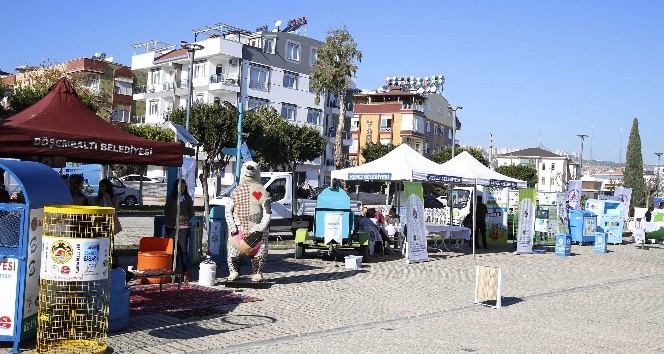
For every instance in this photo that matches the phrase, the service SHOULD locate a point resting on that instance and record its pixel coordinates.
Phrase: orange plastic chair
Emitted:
(155, 253)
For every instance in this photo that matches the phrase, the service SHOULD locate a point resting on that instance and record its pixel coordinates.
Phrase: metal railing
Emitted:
(138, 119)
(224, 79)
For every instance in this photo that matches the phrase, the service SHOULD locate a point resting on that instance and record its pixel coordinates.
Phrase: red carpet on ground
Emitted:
(146, 299)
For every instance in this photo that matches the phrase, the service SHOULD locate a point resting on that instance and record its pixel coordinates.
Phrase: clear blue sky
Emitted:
(517, 67)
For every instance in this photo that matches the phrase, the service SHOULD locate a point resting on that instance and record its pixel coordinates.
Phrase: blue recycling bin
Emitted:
(217, 233)
(563, 245)
(118, 310)
(582, 226)
(600, 243)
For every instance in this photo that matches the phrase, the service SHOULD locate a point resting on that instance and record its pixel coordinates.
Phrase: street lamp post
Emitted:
(454, 119)
(191, 48)
(582, 136)
(659, 154)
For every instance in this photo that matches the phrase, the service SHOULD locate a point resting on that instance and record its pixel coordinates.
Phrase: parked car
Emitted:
(126, 195)
(137, 178)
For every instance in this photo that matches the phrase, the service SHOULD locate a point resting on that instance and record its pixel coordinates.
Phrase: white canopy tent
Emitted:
(401, 164)
(465, 167)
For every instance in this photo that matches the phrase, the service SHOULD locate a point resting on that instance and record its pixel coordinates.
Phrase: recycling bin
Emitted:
(159, 226)
(563, 245)
(217, 233)
(600, 243)
(582, 226)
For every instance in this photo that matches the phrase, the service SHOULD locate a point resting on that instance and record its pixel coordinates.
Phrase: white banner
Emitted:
(542, 225)
(417, 231)
(563, 213)
(8, 284)
(574, 194)
(625, 195)
(189, 174)
(70, 259)
(215, 237)
(333, 222)
(526, 229)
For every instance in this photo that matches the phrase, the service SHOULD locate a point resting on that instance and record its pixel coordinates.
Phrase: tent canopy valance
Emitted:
(470, 171)
(60, 125)
(401, 164)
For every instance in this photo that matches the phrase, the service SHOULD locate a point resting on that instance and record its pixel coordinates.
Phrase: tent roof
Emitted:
(61, 125)
(466, 168)
(401, 164)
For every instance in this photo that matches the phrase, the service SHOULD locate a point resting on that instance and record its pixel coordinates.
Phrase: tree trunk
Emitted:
(338, 152)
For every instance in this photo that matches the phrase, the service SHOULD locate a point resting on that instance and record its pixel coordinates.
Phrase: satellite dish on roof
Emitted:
(432, 89)
(420, 90)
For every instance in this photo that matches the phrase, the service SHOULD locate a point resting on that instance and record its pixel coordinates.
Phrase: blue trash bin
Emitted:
(118, 311)
(217, 233)
(563, 245)
(600, 243)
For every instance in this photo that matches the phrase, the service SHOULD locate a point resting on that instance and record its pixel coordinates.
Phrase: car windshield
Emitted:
(264, 180)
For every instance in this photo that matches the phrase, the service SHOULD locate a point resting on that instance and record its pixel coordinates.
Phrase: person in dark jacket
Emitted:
(480, 220)
(186, 214)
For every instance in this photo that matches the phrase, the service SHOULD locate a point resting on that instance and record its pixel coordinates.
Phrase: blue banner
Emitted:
(442, 178)
(499, 183)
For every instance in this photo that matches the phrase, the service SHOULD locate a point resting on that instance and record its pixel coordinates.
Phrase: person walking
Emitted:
(186, 214)
(480, 221)
(76, 188)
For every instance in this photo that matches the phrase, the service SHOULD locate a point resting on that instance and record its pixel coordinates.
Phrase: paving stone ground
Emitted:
(585, 303)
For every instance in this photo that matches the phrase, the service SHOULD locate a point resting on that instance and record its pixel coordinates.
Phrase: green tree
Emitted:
(37, 83)
(215, 127)
(445, 154)
(634, 167)
(522, 172)
(373, 151)
(144, 131)
(332, 73)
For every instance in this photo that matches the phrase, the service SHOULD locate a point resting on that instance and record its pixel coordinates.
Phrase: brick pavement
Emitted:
(586, 303)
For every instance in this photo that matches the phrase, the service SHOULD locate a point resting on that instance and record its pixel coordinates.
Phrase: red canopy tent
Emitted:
(60, 125)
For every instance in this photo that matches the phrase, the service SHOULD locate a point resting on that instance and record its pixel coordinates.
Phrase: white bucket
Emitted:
(353, 262)
(207, 274)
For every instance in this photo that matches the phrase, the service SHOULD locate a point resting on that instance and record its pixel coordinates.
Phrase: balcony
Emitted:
(413, 107)
(224, 82)
(137, 119)
(384, 129)
(332, 137)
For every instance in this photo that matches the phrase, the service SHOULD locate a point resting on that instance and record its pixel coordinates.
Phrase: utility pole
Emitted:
(454, 125)
(659, 154)
(582, 136)
(592, 137)
(191, 48)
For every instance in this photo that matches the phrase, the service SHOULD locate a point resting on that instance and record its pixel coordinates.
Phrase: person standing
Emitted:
(106, 198)
(76, 188)
(172, 220)
(480, 220)
(649, 214)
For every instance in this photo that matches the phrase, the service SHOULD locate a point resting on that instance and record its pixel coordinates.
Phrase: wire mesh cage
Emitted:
(10, 231)
(74, 287)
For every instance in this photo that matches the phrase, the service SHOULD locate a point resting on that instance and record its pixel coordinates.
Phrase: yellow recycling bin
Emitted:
(73, 287)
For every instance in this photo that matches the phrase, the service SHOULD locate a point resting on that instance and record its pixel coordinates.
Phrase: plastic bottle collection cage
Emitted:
(74, 285)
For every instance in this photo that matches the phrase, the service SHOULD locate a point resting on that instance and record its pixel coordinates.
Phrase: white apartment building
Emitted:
(552, 170)
(256, 68)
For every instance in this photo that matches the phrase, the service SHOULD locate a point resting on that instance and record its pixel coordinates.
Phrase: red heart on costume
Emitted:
(257, 194)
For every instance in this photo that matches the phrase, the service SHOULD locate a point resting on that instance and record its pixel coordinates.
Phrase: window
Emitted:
(290, 80)
(426, 148)
(314, 56)
(354, 146)
(435, 129)
(293, 51)
(440, 110)
(154, 107)
(385, 141)
(268, 45)
(313, 116)
(288, 111)
(277, 189)
(449, 134)
(122, 87)
(428, 127)
(154, 78)
(386, 123)
(553, 166)
(258, 78)
(199, 69)
(355, 124)
(120, 115)
(543, 181)
(257, 102)
(417, 147)
(543, 166)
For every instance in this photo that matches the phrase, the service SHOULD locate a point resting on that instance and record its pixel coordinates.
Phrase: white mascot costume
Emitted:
(248, 215)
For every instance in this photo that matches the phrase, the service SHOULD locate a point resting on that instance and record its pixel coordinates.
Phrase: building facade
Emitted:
(112, 83)
(255, 68)
(413, 112)
(553, 171)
